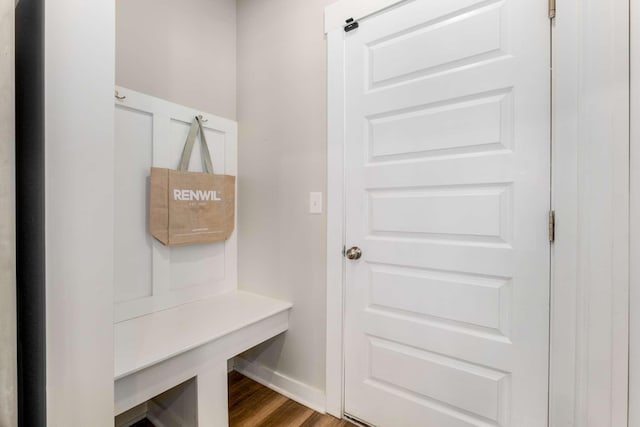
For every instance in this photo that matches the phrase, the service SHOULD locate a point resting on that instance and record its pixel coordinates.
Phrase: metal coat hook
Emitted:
(202, 119)
(120, 98)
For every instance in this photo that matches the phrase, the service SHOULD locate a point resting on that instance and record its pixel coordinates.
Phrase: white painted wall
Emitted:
(79, 82)
(282, 142)
(8, 387)
(183, 51)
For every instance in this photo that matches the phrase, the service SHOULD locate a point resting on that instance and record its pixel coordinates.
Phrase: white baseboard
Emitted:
(287, 386)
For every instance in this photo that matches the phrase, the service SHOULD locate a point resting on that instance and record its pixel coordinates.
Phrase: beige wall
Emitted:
(186, 52)
(7, 234)
(180, 50)
(282, 117)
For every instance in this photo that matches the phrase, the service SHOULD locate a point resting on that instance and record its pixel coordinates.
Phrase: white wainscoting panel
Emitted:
(151, 277)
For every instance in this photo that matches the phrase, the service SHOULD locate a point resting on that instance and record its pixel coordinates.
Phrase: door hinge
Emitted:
(552, 9)
(552, 226)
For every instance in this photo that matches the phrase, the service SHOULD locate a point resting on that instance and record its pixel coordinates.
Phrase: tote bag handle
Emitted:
(196, 127)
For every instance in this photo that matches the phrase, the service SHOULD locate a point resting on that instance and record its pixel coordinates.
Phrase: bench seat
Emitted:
(158, 351)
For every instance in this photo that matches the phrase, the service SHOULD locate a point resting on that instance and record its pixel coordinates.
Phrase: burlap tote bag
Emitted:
(191, 207)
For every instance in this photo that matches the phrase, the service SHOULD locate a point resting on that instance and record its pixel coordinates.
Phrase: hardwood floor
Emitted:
(254, 405)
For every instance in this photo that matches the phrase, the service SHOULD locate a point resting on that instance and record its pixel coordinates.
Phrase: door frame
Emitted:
(589, 342)
(634, 291)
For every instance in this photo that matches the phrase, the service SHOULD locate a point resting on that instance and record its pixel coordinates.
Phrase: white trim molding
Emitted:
(589, 299)
(283, 384)
(335, 224)
(634, 297)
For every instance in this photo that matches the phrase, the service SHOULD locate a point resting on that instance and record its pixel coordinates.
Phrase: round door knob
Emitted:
(353, 253)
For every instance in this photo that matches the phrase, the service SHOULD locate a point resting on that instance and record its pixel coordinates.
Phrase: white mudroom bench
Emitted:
(161, 350)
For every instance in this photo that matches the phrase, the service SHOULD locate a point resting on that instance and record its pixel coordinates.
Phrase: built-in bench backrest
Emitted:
(149, 276)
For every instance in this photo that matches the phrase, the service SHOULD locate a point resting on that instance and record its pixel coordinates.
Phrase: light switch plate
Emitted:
(315, 203)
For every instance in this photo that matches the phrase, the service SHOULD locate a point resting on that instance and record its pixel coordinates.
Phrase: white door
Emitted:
(447, 194)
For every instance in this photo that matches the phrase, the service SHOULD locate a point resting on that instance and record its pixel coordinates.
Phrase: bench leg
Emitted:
(213, 406)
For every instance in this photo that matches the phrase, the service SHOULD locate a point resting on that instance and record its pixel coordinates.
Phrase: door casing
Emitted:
(590, 195)
(634, 288)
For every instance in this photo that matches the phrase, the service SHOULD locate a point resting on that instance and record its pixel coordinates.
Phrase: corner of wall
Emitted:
(283, 384)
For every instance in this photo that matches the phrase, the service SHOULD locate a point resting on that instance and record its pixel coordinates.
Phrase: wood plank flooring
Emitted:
(254, 405)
